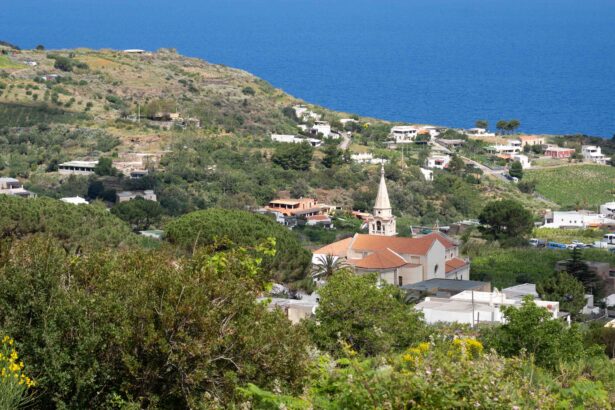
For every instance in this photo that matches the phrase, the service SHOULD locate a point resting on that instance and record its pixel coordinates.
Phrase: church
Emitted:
(398, 261)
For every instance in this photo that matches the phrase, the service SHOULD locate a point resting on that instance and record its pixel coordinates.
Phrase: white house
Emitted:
(304, 113)
(576, 219)
(77, 167)
(523, 159)
(472, 307)
(513, 147)
(292, 139)
(438, 161)
(286, 138)
(608, 209)
(74, 200)
(125, 196)
(367, 158)
(432, 131)
(322, 127)
(593, 153)
(403, 134)
(12, 186)
(427, 173)
(345, 121)
(479, 132)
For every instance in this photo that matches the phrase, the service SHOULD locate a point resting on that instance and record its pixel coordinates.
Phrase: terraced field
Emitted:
(586, 186)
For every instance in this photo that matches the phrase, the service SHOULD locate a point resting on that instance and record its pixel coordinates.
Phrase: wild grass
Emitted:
(582, 186)
(6, 62)
(507, 267)
(22, 115)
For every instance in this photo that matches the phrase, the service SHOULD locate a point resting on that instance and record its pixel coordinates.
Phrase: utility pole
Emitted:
(472, 309)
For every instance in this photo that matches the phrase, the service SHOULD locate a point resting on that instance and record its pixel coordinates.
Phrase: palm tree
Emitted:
(326, 266)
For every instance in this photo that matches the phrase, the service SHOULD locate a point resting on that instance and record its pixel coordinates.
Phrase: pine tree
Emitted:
(577, 267)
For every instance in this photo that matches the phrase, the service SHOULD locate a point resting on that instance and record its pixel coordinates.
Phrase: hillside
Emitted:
(63, 105)
(584, 186)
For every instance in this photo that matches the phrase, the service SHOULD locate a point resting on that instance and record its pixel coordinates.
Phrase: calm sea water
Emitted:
(549, 63)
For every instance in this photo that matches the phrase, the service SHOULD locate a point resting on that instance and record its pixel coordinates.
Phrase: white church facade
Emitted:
(399, 261)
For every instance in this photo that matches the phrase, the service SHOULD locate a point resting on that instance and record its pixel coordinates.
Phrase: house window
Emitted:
(400, 280)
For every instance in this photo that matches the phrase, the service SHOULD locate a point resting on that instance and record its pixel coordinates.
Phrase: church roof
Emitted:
(382, 199)
(415, 246)
(339, 248)
(375, 243)
(454, 264)
(383, 259)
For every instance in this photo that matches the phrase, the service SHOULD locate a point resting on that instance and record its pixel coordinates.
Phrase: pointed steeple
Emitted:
(382, 199)
(382, 222)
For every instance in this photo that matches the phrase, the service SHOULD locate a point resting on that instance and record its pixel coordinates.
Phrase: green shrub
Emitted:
(213, 227)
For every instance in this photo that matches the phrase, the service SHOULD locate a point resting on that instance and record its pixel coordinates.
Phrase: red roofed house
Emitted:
(295, 207)
(399, 261)
(559, 152)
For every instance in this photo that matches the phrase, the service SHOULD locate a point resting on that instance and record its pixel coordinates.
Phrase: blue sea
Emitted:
(548, 63)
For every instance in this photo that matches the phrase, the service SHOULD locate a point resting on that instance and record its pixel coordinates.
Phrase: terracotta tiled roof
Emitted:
(383, 259)
(318, 218)
(415, 246)
(454, 264)
(339, 248)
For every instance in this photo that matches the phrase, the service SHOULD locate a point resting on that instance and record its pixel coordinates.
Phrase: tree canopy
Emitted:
(370, 318)
(565, 289)
(529, 328)
(293, 156)
(139, 213)
(506, 220)
(81, 226)
(213, 227)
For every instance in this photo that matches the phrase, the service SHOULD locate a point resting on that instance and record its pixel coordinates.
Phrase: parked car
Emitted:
(537, 243)
(577, 244)
(556, 245)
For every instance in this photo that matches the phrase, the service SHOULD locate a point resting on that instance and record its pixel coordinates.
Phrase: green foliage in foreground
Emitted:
(508, 267)
(212, 227)
(90, 227)
(370, 319)
(443, 374)
(586, 186)
(136, 329)
(529, 329)
(142, 329)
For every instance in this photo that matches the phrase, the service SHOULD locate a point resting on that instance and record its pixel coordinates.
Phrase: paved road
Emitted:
(486, 170)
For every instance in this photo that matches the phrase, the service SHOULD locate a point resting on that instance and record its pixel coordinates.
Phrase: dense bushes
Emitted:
(529, 362)
(89, 227)
(214, 227)
(370, 319)
(142, 329)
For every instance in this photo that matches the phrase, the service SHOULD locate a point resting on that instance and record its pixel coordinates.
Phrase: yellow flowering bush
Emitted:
(416, 354)
(13, 381)
(466, 348)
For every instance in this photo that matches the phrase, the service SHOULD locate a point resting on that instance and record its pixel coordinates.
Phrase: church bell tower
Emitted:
(382, 222)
